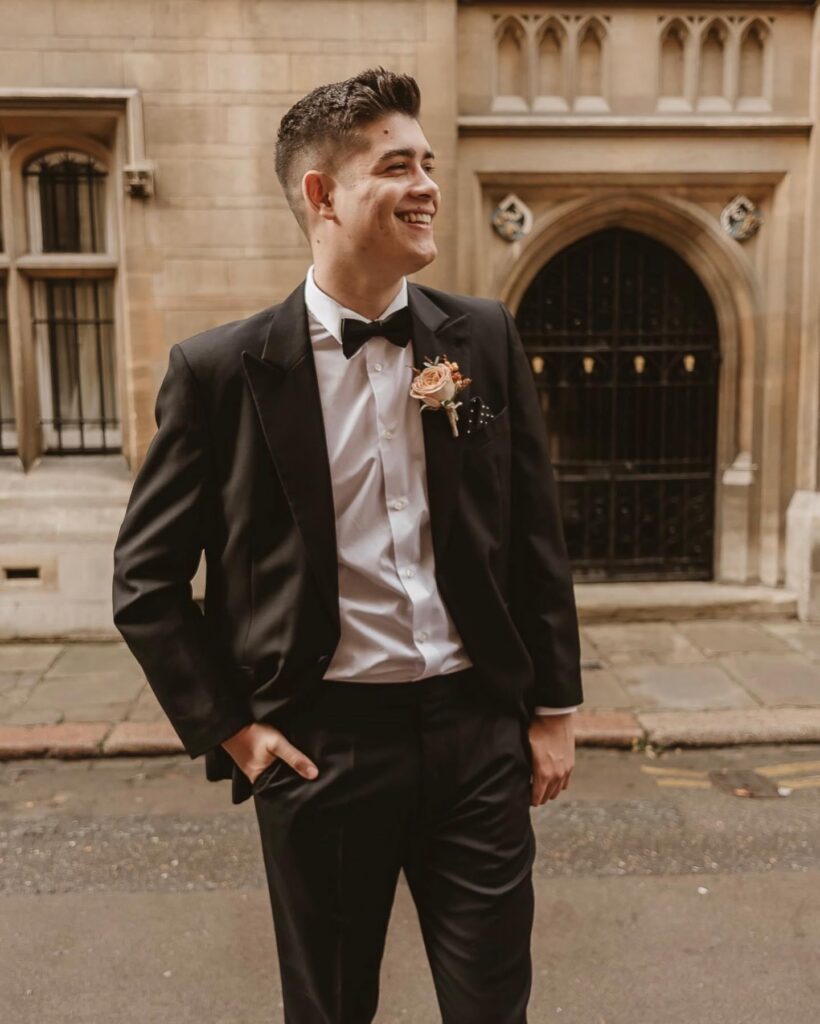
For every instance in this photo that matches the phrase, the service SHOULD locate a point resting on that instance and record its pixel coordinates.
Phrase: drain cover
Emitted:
(743, 782)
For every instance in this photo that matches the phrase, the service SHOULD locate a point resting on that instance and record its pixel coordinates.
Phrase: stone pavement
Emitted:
(688, 683)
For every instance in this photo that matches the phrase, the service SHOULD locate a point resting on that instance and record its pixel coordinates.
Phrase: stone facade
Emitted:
(646, 117)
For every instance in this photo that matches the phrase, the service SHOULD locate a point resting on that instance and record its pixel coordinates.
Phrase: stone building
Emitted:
(639, 182)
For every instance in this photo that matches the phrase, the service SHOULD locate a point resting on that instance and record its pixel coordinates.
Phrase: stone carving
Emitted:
(512, 218)
(740, 218)
(139, 179)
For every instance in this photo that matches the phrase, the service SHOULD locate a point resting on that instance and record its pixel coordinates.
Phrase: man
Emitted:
(389, 651)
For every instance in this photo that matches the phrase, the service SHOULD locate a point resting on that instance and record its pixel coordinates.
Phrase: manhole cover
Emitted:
(743, 782)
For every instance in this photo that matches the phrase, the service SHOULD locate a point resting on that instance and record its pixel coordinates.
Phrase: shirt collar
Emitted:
(329, 312)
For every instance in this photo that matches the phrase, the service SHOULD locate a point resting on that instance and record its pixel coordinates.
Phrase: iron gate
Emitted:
(623, 344)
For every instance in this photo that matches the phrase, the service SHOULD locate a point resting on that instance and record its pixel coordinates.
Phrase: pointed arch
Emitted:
(712, 66)
(551, 66)
(511, 66)
(730, 281)
(754, 67)
(591, 66)
(672, 63)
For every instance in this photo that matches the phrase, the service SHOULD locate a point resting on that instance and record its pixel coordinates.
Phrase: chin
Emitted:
(420, 260)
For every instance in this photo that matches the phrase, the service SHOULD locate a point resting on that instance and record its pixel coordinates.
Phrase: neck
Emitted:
(364, 292)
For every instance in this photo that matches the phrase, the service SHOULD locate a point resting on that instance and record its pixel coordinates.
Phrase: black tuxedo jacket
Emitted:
(239, 468)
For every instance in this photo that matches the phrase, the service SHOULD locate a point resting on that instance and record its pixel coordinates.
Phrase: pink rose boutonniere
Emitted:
(437, 385)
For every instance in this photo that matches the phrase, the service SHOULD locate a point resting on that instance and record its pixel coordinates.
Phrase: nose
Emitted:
(424, 186)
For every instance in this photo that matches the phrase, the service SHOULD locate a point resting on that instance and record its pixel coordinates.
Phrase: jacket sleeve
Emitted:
(156, 555)
(542, 600)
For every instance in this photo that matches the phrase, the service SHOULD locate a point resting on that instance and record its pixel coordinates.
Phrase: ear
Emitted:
(317, 190)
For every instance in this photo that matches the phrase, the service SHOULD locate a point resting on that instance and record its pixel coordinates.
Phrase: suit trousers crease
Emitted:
(430, 777)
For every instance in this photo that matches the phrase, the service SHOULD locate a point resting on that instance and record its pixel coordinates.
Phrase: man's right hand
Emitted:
(257, 745)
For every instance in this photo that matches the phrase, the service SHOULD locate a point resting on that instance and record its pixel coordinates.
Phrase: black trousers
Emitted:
(430, 777)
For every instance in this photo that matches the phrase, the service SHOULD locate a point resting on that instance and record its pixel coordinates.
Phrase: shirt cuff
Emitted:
(554, 711)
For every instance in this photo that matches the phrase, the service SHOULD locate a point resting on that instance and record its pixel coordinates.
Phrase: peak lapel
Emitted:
(436, 334)
(286, 395)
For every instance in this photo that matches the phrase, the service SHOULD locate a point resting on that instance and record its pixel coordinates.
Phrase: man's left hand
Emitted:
(552, 739)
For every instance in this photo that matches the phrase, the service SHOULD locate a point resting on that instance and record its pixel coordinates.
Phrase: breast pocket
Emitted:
(489, 431)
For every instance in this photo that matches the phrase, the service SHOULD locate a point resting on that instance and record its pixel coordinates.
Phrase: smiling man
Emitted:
(388, 657)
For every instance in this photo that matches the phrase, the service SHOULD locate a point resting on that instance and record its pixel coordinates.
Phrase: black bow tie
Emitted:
(398, 328)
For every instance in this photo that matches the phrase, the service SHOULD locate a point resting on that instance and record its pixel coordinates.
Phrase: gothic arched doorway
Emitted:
(623, 343)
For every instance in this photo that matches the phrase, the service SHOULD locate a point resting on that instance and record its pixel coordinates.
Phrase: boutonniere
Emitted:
(437, 385)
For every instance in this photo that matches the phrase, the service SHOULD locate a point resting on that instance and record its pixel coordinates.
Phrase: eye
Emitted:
(394, 167)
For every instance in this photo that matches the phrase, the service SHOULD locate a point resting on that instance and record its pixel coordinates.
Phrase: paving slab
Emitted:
(657, 637)
(80, 659)
(777, 679)
(799, 635)
(718, 637)
(33, 716)
(602, 689)
(683, 686)
(67, 692)
(28, 657)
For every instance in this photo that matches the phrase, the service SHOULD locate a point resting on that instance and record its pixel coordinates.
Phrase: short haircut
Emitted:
(322, 129)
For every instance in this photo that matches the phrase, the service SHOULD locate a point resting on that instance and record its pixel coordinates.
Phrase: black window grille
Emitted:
(66, 203)
(74, 331)
(623, 342)
(8, 430)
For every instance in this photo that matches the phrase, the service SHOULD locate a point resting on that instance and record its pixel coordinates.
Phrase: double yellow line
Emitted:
(783, 774)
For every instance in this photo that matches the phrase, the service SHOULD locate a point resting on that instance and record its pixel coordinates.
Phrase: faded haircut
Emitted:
(321, 130)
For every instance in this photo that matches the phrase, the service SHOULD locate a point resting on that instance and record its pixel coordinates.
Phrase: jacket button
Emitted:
(323, 658)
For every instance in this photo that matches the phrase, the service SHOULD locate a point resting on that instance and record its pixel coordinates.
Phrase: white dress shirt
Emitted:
(394, 624)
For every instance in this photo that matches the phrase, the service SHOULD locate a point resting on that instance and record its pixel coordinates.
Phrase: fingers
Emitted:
(548, 787)
(299, 761)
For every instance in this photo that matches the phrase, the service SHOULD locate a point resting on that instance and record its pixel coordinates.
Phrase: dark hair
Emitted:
(323, 127)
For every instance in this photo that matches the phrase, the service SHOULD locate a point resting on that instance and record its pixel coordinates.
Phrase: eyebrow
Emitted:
(409, 152)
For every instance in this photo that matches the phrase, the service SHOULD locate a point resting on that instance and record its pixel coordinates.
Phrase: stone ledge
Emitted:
(67, 739)
(607, 729)
(730, 727)
(680, 602)
(142, 738)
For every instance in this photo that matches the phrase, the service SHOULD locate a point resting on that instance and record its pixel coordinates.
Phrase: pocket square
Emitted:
(479, 415)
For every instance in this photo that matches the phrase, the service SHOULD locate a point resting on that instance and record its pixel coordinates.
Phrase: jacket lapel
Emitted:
(436, 334)
(286, 395)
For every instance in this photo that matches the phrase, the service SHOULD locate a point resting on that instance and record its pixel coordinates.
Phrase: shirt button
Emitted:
(409, 572)
(388, 434)
(377, 367)
(399, 503)
(421, 636)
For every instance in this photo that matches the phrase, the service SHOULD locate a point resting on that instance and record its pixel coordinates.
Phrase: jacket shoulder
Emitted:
(454, 303)
(218, 349)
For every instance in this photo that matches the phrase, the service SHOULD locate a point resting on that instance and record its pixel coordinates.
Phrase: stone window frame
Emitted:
(107, 125)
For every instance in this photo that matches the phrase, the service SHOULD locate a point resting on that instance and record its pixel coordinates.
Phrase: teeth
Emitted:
(416, 218)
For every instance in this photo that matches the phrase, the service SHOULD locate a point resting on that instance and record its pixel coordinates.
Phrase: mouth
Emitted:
(417, 221)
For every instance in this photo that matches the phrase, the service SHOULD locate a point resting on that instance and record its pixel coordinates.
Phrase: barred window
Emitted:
(8, 429)
(65, 198)
(73, 329)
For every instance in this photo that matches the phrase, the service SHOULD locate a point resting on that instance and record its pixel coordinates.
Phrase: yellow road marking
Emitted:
(678, 772)
(813, 782)
(685, 783)
(788, 768)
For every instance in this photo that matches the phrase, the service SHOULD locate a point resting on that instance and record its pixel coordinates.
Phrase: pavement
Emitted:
(688, 683)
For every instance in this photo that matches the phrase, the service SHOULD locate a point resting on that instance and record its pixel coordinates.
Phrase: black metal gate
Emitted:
(624, 348)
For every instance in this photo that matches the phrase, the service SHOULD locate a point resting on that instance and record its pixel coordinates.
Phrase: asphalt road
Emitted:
(132, 891)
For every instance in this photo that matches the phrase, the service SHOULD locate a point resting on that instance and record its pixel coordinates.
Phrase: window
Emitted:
(65, 378)
(8, 429)
(73, 324)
